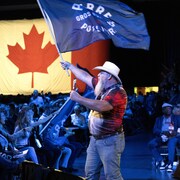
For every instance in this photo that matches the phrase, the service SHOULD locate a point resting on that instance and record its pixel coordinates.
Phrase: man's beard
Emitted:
(99, 88)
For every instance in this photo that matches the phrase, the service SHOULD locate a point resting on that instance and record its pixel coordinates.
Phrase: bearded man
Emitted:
(107, 140)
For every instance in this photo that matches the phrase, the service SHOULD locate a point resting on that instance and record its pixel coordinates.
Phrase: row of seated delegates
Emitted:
(41, 99)
(166, 130)
(19, 140)
(37, 101)
(11, 156)
(52, 153)
(146, 107)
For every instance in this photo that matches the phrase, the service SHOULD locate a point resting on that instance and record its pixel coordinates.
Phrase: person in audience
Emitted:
(165, 129)
(10, 159)
(55, 141)
(37, 99)
(3, 128)
(128, 123)
(35, 110)
(176, 109)
(3, 119)
(24, 120)
(79, 120)
(75, 146)
(12, 117)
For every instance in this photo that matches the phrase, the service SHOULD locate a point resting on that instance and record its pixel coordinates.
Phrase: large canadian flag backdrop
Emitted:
(29, 59)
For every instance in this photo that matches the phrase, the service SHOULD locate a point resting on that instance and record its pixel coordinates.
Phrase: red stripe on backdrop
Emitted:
(89, 57)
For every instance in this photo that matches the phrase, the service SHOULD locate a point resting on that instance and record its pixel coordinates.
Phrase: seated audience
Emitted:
(23, 130)
(165, 129)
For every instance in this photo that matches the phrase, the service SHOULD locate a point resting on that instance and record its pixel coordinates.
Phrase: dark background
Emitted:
(138, 67)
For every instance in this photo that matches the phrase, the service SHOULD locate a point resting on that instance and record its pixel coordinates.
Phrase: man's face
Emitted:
(77, 111)
(35, 93)
(29, 115)
(102, 80)
(176, 110)
(167, 110)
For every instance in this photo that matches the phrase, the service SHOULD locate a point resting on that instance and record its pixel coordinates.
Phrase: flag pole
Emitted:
(51, 29)
(62, 60)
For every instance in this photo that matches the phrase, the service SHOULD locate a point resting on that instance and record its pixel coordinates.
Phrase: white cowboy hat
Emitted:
(166, 105)
(110, 68)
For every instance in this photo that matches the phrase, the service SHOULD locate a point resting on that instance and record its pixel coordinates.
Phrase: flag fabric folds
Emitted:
(29, 59)
(76, 24)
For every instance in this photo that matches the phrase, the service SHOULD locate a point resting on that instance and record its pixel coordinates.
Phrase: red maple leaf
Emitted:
(33, 58)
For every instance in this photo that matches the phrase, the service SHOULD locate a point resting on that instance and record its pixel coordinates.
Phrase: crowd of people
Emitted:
(20, 124)
(22, 118)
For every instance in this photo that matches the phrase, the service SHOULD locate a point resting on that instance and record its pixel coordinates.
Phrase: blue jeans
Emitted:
(154, 145)
(63, 159)
(31, 154)
(105, 153)
(172, 149)
(76, 148)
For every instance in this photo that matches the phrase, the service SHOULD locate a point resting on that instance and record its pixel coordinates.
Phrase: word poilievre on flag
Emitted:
(76, 24)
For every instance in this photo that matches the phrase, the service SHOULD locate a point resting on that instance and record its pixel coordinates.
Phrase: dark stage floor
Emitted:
(136, 161)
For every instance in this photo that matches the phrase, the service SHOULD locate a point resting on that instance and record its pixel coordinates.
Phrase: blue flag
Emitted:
(76, 24)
